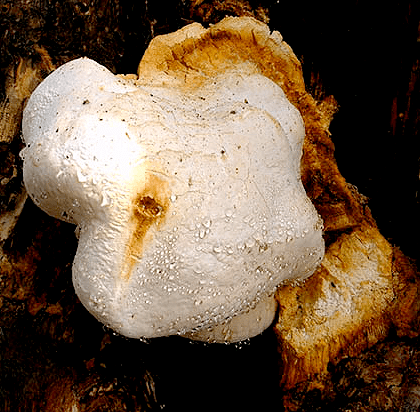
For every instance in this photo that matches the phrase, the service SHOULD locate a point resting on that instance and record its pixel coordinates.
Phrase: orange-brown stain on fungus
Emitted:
(149, 209)
(223, 48)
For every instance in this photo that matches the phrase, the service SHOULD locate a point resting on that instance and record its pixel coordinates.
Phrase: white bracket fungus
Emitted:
(189, 201)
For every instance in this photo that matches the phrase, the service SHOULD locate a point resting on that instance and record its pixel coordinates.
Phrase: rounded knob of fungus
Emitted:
(189, 202)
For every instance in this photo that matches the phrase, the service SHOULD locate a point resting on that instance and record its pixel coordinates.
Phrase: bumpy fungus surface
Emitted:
(185, 187)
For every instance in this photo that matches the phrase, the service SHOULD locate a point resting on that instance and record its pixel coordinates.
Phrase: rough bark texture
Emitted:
(346, 339)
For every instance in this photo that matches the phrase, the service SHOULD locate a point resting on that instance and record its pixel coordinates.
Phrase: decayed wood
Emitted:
(364, 286)
(21, 80)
